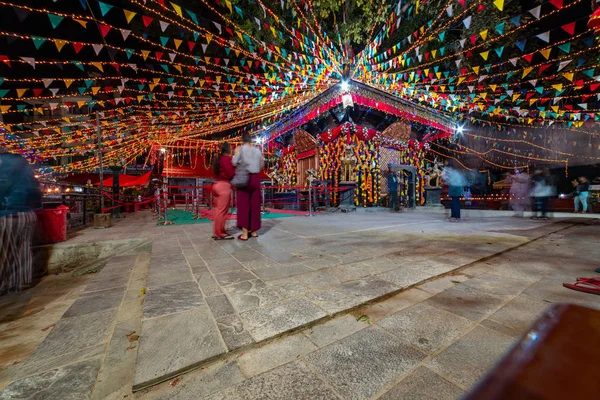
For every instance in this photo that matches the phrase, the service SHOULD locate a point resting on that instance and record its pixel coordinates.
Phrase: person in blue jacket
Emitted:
(456, 182)
(19, 196)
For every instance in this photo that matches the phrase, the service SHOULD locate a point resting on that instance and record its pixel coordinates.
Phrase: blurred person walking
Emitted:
(19, 196)
(392, 184)
(224, 172)
(250, 160)
(582, 187)
(541, 191)
(456, 182)
(519, 192)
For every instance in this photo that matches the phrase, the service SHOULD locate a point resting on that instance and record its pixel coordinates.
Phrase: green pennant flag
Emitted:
(89, 82)
(500, 28)
(3, 92)
(442, 35)
(55, 20)
(78, 64)
(499, 51)
(566, 47)
(164, 40)
(1, 81)
(193, 16)
(38, 41)
(589, 72)
(239, 11)
(81, 89)
(104, 8)
(129, 53)
(165, 67)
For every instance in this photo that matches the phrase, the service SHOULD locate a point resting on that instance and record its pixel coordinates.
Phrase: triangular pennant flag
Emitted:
(563, 64)
(59, 44)
(129, 15)
(485, 55)
(21, 92)
(546, 52)
(55, 20)
(483, 34)
(499, 4)
(104, 29)
(81, 22)
(38, 41)
(569, 28)
(97, 48)
(29, 60)
(544, 36)
(177, 9)
(125, 33)
(516, 20)
(557, 3)
(163, 25)
(521, 44)
(536, 12)
(500, 28)
(566, 47)
(147, 20)
(499, 51)
(467, 22)
(104, 8)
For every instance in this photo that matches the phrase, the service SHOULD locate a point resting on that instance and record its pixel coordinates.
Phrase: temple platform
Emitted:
(183, 301)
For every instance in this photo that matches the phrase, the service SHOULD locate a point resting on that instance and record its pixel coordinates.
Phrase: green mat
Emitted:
(182, 217)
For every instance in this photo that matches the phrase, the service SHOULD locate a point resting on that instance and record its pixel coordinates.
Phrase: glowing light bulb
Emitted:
(345, 86)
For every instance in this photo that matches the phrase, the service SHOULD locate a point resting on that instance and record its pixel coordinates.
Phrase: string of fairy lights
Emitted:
(160, 72)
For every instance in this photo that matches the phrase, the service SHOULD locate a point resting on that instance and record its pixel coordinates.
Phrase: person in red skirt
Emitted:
(249, 197)
(224, 172)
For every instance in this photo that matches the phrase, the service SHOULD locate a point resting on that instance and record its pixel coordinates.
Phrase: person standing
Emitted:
(582, 188)
(519, 189)
(392, 184)
(249, 197)
(456, 183)
(541, 192)
(19, 196)
(224, 172)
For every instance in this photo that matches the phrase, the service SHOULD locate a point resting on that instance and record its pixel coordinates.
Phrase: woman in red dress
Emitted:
(224, 172)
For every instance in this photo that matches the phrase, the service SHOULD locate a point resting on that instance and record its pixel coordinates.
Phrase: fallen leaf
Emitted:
(453, 281)
(143, 291)
(175, 381)
(364, 318)
(131, 347)
(133, 338)
(48, 327)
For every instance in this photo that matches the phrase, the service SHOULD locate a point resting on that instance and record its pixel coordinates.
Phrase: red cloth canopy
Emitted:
(129, 180)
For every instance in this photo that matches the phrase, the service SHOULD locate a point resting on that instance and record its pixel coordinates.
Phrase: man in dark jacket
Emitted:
(19, 196)
(392, 184)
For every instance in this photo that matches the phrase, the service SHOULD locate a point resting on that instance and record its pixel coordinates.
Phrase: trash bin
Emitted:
(52, 224)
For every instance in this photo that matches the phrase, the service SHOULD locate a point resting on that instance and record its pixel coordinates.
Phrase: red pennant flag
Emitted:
(557, 3)
(585, 97)
(77, 46)
(528, 57)
(147, 20)
(104, 29)
(37, 91)
(159, 55)
(543, 68)
(229, 31)
(462, 3)
(594, 86)
(191, 45)
(473, 39)
(480, 8)
(569, 28)
(5, 60)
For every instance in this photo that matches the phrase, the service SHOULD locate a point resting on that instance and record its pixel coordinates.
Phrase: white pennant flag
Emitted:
(449, 11)
(257, 23)
(471, 88)
(467, 22)
(29, 60)
(536, 12)
(544, 36)
(54, 92)
(125, 33)
(264, 11)
(172, 56)
(462, 43)
(97, 48)
(513, 61)
(163, 25)
(563, 64)
(47, 82)
(533, 82)
(458, 62)
(226, 61)
(218, 27)
(204, 47)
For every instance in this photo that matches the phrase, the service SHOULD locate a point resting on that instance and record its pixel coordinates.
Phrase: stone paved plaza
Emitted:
(341, 306)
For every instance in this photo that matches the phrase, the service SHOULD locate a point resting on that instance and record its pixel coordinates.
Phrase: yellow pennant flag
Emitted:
(95, 89)
(493, 87)
(516, 96)
(569, 76)
(178, 68)
(461, 79)
(21, 92)
(81, 103)
(145, 54)
(129, 15)
(558, 87)
(98, 65)
(483, 95)
(546, 53)
(208, 38)
(81, 22)
(177, 43)
(476, 70)
(59, 44)
(499, 4)
(485, 55)
(177, 9)
(68, 82)
(483, 34)
(554, 108)
(228, 3)
(526, 71)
